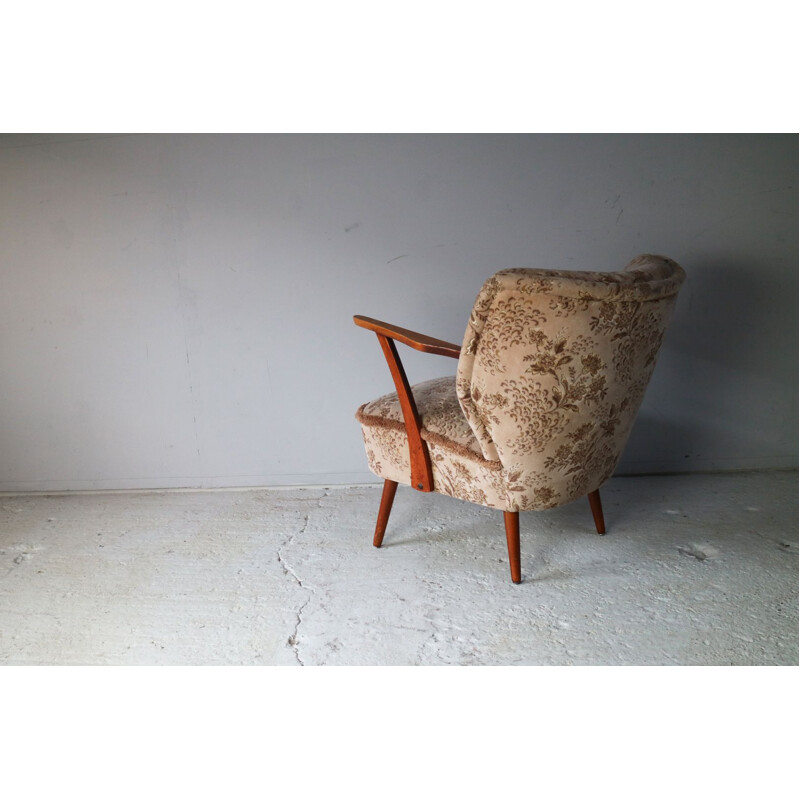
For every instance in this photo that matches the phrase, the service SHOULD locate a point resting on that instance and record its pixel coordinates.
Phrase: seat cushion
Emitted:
(459, 469)
(443, 421)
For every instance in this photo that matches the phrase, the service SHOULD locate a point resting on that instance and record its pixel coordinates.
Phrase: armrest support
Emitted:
(419, 457)
(427, 344)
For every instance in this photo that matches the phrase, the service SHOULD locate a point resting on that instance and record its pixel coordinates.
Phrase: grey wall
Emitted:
(175, 310)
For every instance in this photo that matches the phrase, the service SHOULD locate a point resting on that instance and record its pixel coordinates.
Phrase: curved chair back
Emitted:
(554, 367)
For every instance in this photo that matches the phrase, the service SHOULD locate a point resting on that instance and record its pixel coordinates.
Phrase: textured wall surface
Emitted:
(175, 310)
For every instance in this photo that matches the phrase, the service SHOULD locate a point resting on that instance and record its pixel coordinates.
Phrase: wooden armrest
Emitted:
(419, 457)
(427, 344)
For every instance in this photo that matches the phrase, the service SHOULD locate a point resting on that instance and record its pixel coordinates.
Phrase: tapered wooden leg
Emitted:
(387, 498)
(512, 537)
(597, 511)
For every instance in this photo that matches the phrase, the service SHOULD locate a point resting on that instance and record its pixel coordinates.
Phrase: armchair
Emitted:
(550, 376)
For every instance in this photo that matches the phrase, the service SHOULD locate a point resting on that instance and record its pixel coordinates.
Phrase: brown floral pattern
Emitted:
(443, 421)
(453, 474)
(552, 371)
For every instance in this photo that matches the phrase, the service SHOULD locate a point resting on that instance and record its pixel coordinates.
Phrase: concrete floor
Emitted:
(695, 569)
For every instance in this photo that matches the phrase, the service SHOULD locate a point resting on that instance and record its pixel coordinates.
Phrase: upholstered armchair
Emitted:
(550, 376)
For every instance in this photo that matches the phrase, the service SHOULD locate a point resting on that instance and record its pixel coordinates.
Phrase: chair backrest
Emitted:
(554, 367)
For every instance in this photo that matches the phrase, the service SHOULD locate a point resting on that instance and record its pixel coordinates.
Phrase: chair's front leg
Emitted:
(387, 498)
(512, 537)
(597, 511)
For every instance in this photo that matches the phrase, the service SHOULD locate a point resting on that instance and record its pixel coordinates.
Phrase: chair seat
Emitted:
(459, 468)
(443, 421)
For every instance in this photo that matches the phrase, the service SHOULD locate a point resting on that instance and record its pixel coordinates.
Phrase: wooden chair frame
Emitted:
(419, 457)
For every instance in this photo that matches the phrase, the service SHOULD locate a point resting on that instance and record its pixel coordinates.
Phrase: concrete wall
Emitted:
(175, 310)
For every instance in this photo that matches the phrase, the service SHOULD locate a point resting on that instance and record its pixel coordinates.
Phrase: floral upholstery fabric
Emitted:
(443, 421)
(552, 371)
(453, 474)
(459, 469)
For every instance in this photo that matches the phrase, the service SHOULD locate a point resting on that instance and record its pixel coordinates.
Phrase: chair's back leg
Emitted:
(597, 511)
(512, 537)
(387, 498)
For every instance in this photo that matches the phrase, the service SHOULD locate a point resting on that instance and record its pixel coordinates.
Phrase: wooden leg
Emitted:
(387, 498)
(512, 537)
(597, 511)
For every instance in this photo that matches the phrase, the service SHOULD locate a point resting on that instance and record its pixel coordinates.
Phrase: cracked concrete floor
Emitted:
(695, 569)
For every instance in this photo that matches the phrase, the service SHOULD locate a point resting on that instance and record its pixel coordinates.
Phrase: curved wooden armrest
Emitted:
(427, 344)
(419, 457)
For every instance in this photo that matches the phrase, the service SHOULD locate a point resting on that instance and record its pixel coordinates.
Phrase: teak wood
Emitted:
(387, 498)
(597, 511)
(427, 344)
(421, 473)
(419, 457)
(512, 537)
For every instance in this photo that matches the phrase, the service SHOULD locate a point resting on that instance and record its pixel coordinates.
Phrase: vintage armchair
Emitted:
(552, 371)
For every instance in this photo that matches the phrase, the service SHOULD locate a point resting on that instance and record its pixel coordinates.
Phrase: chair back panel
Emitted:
(554, 367)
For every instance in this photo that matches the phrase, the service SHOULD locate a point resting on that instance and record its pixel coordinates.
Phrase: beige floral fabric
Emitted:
(552, 371)
(453, 474)
(443, 421)
(459, 469)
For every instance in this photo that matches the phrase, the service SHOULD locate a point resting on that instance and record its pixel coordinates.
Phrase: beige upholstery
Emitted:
(552, 372)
